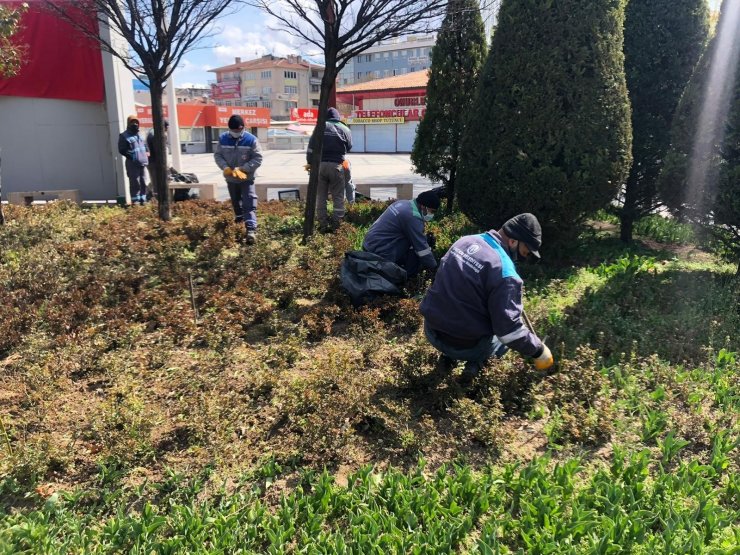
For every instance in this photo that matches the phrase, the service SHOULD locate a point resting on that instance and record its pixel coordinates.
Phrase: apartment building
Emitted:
(388, 59)
(279, 84)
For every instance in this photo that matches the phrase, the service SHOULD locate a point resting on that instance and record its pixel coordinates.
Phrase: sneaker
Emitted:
(251, 237)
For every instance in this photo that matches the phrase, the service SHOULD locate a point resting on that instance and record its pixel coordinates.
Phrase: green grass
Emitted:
(285, 421)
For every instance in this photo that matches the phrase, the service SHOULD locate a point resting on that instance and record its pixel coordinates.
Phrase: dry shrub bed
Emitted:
(105, 372)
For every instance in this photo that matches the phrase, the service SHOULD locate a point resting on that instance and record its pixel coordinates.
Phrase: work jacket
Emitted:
(133, 147)
(337, 142)
(398, 229)
(243, 153)
(477, 293)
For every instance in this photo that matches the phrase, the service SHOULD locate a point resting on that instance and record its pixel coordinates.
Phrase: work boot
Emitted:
(251, 237)
(469, 373)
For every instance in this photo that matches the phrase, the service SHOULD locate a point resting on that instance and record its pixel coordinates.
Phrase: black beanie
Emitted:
(526, 228)
(333, 113)
(428, 199)
(236, 121)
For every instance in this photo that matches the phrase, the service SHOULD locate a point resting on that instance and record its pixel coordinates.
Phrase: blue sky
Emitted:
(247, 34)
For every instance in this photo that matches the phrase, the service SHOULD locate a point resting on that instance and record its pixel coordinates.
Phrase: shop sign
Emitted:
(408, 114)
(253, 117)
(304, 115)
(375, 121)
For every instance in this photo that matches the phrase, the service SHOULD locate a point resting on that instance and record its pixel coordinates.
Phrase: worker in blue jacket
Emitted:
(239, 155)
(473, 311)
(398, 234)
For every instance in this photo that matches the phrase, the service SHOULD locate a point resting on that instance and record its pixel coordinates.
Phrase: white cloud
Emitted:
(237, 42)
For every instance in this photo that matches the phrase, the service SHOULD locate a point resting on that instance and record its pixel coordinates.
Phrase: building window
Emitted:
(291, 90)
(315, 102)
(227, 103)
(344, 81)
(266, 90)
(249, 75)
(267, 104)
(315, 73)
(289, 74)
(266, 74)
(251, 104)
(251, 91)
(368, 57)
(386, 72)
(377, 55)
(316, 88)
(395, 53)
(359, 75)
(385, 54)
(376, 73)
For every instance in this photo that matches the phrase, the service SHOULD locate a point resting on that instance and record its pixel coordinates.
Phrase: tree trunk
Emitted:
(2, 216)
(160, 166)
(327, 82)
(451, 190)
(627, 214)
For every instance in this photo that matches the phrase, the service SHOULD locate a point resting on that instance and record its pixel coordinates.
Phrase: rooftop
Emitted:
(414, 80)
(266, 62)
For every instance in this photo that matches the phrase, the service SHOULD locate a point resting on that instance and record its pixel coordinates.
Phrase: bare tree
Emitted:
(343, 29)
(157, 33)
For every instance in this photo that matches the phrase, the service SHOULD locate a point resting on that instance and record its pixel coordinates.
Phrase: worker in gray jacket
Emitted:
(239, 155)
(473, 311)
(398, 234)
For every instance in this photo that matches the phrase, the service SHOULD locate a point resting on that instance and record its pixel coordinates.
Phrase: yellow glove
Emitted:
(239, 174)
(545, 360)
(228, 172)
(307, 167)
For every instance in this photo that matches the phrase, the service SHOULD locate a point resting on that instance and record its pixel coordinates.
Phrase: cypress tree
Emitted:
(551, 130)
(700, 181)
(457, 58)
(663, 40)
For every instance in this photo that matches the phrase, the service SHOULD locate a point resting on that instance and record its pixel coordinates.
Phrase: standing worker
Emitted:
(239, 155)
(133, 148)
(474, 308)
(337, 143)
(154, 156)
(398, 234)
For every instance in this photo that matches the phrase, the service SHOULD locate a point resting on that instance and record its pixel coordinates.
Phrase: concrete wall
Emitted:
(56, 144)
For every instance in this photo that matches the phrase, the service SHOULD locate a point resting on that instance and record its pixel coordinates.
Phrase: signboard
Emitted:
(374, 121)
(253, 117)
(144, 113)
(304, 115)
(404, 114)
(410, 101)
(226, 90)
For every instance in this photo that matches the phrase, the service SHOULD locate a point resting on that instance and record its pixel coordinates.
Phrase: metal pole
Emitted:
(2, 216)
(174, 131)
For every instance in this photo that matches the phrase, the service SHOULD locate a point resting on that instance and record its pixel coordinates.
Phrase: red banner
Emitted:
(208, 115)
(304, 115)
(60, 61)
(226, 90)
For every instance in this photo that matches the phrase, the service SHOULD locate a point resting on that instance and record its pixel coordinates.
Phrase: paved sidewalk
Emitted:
(285, 167)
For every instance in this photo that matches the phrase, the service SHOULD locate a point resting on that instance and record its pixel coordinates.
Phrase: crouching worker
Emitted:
(398, 234)
(473, 311)
(395, 248)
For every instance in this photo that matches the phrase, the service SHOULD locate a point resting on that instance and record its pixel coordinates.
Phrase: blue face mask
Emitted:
(428, 217)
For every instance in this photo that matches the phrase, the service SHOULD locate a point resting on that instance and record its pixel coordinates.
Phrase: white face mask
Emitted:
(235, 134)
(428, 217)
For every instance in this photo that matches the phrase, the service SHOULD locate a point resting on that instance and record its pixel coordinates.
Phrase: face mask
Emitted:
(133, 128)
(235, 134)
(427, 216)
(514, 252)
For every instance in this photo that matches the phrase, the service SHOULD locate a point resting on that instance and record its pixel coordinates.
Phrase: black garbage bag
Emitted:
(182, 194)
(365, 276)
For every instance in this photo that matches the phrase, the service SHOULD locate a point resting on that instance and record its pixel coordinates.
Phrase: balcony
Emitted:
(314, 80)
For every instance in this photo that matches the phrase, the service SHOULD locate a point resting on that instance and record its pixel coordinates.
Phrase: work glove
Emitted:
(431, 240)
(239, 174)
(545, 360)
(307, 167)
(228, 172)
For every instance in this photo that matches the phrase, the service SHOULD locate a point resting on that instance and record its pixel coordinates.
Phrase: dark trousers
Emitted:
(136, 179)
(244, 202)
